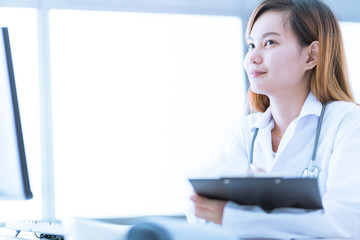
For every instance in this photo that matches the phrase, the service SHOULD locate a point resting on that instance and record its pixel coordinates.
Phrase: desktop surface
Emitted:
(96, 229)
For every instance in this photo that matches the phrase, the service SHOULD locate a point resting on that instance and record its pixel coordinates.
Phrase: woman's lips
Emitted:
(256, 73)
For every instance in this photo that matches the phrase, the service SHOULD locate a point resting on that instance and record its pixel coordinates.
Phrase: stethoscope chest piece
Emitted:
(308, 173)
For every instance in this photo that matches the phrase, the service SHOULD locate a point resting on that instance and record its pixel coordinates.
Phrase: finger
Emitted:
(201, 200)
(194, 197)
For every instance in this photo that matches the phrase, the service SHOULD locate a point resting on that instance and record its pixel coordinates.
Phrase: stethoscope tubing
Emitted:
(252, 146)
(317, 134)
(307, 171)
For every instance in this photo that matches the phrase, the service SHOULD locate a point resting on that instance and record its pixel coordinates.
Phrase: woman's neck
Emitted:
(285, 109)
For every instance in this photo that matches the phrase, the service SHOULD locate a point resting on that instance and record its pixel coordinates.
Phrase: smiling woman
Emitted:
(299, 85)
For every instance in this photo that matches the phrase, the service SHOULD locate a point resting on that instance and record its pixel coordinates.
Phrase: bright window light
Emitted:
(140, 102)
(351, 34)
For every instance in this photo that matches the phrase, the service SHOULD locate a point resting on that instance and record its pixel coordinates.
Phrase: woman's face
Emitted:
(275, 62)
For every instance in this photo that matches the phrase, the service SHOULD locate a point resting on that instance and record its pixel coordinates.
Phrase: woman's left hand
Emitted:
(208, 209)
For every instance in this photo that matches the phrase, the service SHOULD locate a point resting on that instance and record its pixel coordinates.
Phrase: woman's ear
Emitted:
(313, 52)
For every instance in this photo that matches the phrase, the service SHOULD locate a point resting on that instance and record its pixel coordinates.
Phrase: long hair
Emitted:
(311, 20)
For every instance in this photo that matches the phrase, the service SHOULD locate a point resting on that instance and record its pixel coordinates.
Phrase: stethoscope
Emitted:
(312, 171)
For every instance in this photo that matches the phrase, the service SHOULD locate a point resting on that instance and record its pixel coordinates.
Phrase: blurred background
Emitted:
(123, 101)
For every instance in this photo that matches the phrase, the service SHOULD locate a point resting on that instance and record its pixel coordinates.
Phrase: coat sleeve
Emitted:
(231, 162)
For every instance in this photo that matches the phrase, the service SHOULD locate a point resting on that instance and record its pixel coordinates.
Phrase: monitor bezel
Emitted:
(19, 134)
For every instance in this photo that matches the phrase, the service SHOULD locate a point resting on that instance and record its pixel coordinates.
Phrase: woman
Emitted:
(296, 65)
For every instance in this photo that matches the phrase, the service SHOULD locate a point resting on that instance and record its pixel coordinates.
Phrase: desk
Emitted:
(7, 234)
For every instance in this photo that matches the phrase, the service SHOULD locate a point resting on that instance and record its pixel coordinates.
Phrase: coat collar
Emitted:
(312, 106)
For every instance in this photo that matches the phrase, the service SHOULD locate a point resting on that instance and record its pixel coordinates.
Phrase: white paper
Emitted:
(84, 229)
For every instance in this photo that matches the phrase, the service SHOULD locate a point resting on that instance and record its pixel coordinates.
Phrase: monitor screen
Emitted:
(14, 179)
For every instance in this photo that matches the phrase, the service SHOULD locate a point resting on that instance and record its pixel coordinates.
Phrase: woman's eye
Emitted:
(251, 46)
(269, 42)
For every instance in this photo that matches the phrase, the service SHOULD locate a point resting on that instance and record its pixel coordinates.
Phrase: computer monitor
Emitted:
(14, 178)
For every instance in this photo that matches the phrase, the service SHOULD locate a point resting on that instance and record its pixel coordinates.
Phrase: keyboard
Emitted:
(45, 228)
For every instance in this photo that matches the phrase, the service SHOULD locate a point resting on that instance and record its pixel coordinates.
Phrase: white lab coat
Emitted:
(338, 158)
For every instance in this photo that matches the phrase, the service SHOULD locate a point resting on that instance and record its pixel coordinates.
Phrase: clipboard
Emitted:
(267, 192)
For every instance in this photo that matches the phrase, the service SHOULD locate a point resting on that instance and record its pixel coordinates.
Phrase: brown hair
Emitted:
(311, 20)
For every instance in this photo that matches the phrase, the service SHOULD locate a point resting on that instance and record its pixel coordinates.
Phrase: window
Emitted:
(22, 27)
(351, 33)
(140, 102)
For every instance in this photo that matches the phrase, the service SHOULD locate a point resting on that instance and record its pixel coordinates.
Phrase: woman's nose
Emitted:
(255, 58)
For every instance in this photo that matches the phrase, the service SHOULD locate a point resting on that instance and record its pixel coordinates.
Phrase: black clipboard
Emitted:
(267, 192)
